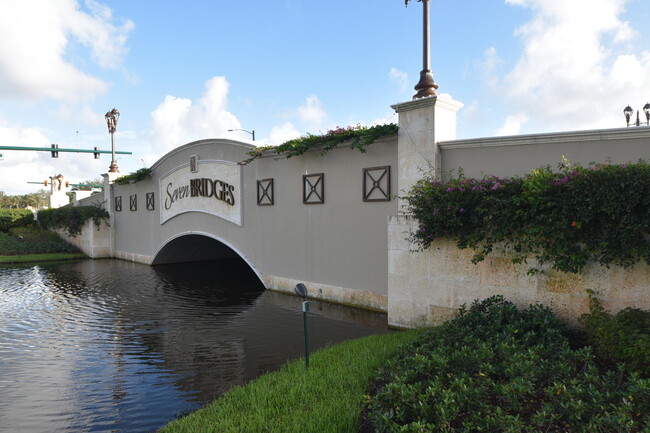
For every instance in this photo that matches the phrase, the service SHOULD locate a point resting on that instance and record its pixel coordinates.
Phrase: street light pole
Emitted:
(426, 86)
(111, 121)
(245, 130)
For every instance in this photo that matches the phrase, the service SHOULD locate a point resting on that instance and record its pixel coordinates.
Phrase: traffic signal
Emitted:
(96, 152)
(55, 153)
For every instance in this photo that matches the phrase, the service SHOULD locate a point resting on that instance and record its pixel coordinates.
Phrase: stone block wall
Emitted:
(428, 287)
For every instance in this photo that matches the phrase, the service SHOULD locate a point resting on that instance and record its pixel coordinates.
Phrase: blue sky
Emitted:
(181, 71)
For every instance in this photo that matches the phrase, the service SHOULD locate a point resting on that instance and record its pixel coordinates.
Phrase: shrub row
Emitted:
(564, 218)
(495, 368)
(71, 218)
(14, 244)
(15, 218)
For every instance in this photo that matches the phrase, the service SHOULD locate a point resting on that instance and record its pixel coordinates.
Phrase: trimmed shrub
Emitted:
(622, 339)
(496, 368)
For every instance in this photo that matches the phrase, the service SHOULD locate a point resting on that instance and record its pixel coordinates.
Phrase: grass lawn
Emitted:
(326, 397)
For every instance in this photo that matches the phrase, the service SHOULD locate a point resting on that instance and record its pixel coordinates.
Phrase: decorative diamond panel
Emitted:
(313, 188)
(376, 183)
(265, 192)
(118, 204)
(150, 201)
(133, 202)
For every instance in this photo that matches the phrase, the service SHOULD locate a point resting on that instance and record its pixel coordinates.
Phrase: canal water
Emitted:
(113, 346)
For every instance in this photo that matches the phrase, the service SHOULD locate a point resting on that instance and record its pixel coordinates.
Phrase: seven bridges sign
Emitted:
(212, 187)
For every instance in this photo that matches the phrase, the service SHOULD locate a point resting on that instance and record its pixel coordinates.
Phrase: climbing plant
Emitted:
(565, 218)
(72, 218)
(358, 137)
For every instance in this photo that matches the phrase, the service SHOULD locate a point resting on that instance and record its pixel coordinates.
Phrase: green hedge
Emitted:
(565, 218)
(10, 218)
(72, 218)
(622, 339)
(496, 368)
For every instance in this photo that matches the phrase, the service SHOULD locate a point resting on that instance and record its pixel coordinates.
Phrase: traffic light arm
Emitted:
(50, 149)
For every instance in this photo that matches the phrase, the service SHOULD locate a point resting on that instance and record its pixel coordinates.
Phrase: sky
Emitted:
(183, 71)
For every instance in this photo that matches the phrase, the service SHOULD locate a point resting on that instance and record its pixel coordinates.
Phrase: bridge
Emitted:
(332, 221)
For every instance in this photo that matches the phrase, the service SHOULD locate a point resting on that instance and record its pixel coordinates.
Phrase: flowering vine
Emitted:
(565, 218)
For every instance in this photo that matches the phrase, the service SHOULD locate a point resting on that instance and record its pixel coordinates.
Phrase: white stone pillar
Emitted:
(109, 205)
(422, 124)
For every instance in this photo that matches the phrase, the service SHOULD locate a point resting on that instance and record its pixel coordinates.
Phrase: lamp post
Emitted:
(245, 130)
(426, 86)
(111, 121)
(628, 111)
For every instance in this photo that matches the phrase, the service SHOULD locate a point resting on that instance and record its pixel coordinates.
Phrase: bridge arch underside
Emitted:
(201, 248)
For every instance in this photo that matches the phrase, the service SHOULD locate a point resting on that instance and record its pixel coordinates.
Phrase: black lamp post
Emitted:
(628, 112)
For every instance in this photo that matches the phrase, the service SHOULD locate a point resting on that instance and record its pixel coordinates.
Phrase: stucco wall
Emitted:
(429, 286)
(518, 155)
(337, 248)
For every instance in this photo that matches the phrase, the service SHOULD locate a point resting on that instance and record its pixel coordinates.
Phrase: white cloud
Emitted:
(574, 73)
(312, 112)
(512, 125)
(400, 78)
(20, 167)
(35, 40)
(177, 121)
(281, 133)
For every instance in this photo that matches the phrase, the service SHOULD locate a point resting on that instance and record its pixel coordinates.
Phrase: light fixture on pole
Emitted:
(426, 86)
(111, 121)
(628, 112)
(245, 130)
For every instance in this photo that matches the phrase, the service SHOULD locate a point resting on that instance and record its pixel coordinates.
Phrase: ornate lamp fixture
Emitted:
(628, 112)
(111, 121)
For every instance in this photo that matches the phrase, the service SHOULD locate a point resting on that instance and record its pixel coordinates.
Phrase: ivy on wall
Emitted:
(565, 218)
(71, 218)
(358, 137)
(134, 177)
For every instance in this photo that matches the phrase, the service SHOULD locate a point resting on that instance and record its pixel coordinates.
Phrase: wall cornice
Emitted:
(550, 138)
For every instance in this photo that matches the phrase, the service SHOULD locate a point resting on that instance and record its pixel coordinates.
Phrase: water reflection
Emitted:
(108, 345)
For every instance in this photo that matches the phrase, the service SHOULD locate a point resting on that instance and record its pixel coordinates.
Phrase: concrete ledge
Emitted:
(340, 295)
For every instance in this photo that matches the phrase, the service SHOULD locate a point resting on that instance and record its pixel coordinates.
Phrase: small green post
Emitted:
(305, 310)
(301, 290)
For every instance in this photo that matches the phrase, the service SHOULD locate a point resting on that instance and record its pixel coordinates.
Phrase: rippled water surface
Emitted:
(112, 346)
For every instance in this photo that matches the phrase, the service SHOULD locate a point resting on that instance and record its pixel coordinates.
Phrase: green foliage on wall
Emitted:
(10, 218)
(134, 177)
(359, 137)
(71, 218)
(565, 218)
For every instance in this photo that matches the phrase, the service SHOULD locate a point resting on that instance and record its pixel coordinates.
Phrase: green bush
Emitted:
(30, 240)
(496, 368)
(358, 137)
(15, 218)
(565, 218)
(71, 218)
(620, 339)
